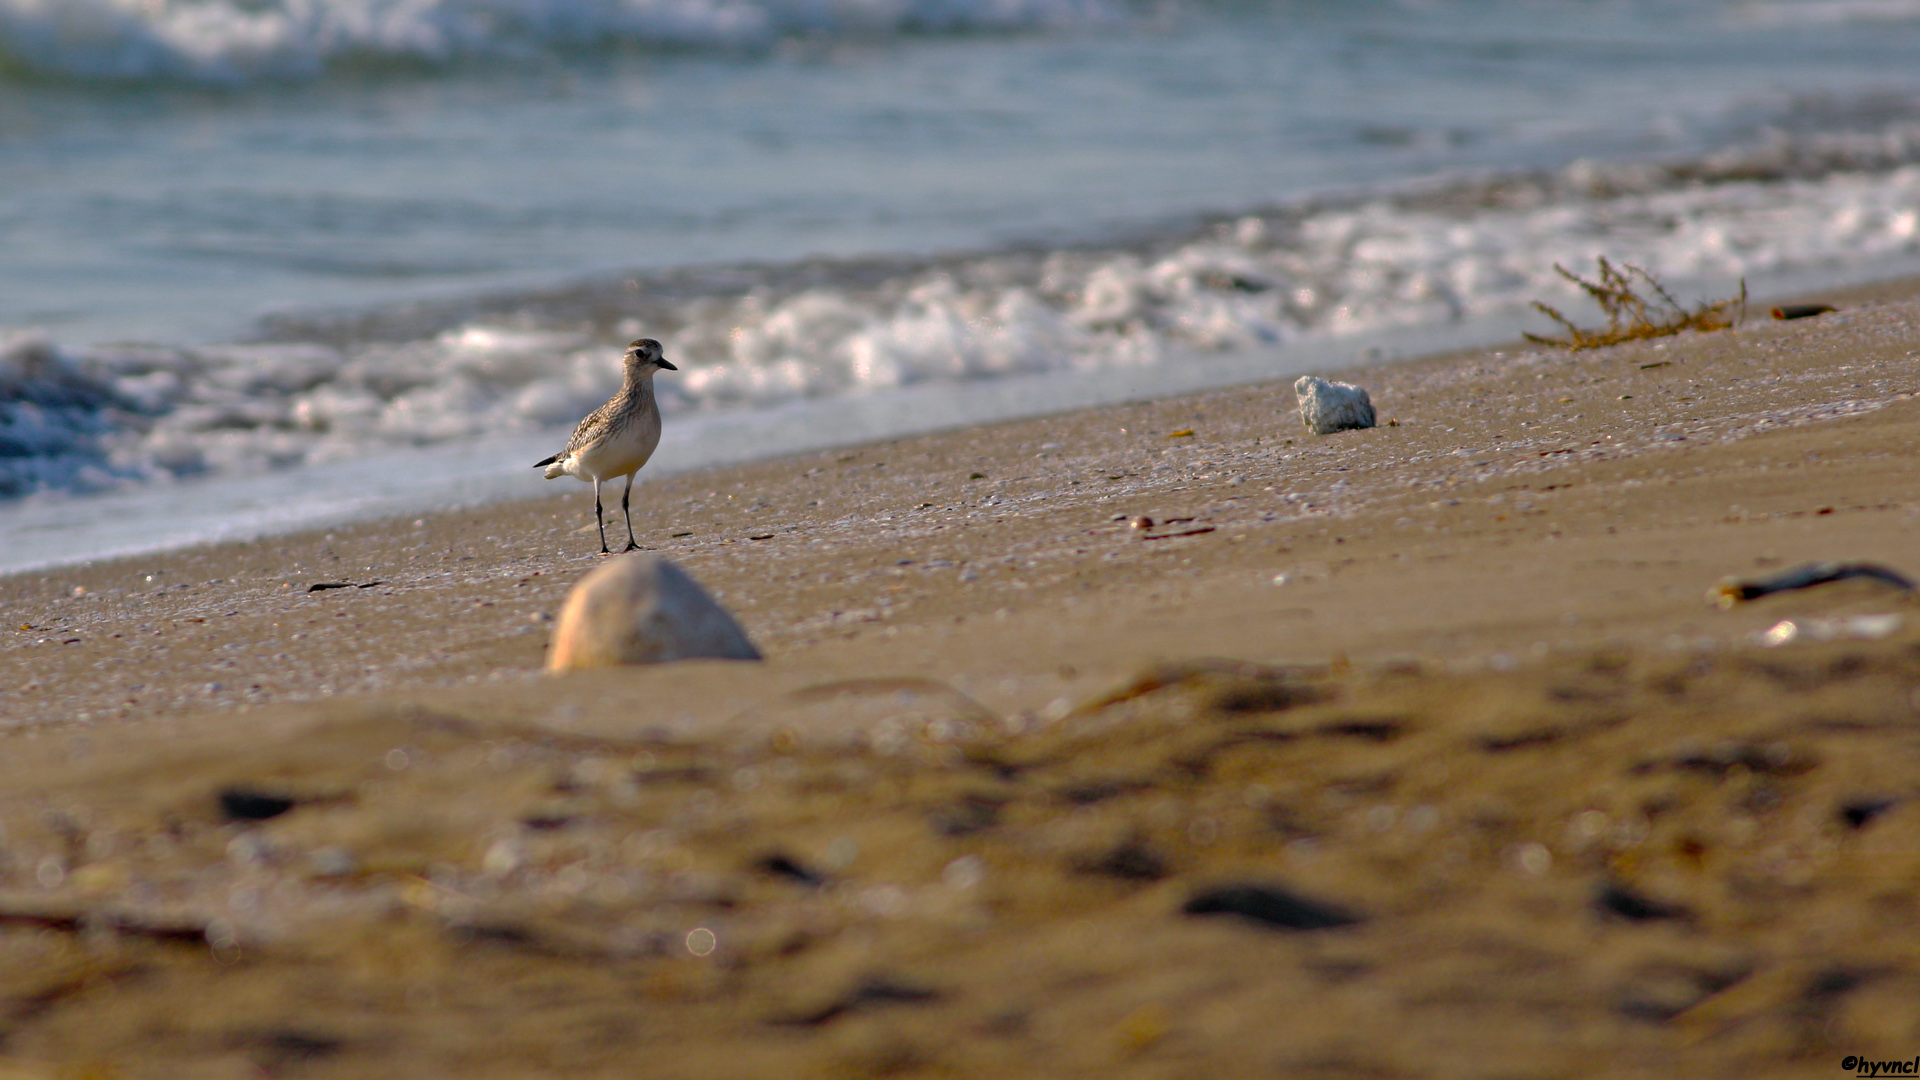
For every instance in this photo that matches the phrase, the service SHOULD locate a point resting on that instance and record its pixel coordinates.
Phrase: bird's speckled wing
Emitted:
(598, 425)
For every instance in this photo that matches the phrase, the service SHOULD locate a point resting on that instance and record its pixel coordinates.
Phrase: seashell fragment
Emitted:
(1327, 407)
(1734, 590)
(1801, 311)
(1855, 628)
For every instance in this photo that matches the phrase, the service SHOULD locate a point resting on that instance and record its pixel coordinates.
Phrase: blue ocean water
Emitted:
(245, 239)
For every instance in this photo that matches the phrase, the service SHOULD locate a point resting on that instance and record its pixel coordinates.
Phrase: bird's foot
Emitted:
(631, 546)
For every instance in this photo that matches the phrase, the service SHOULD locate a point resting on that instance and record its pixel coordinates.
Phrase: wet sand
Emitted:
(1448, 694)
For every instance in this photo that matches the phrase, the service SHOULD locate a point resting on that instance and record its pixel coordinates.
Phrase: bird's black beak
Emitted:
(662, 362)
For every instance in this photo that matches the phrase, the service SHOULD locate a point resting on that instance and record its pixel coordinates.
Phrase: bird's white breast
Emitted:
(622, 451)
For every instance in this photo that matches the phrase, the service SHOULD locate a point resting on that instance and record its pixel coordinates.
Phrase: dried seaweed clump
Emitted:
(1633, 317)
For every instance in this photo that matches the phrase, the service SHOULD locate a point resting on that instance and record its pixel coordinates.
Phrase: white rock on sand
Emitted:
(642, 609)
(1327, 407)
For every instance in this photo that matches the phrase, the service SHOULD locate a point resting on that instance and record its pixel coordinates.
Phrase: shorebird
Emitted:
(618, 437)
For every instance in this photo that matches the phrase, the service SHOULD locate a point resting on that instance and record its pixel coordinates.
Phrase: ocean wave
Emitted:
(1815, 12)
(239, 41)
(325, 388)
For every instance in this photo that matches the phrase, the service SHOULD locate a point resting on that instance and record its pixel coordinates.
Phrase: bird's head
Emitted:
(643, 358)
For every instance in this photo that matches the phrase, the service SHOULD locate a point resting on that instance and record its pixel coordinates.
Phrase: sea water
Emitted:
(266, 263)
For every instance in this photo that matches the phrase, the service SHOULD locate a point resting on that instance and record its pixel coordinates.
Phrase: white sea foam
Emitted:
(756, 338)
(235, 41)
(1804, 12)
(241, 40)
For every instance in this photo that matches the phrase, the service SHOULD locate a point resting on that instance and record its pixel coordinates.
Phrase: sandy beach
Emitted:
(1413, 751)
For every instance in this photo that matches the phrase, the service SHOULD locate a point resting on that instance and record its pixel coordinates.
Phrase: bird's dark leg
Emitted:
(599, 520)
(625, 513)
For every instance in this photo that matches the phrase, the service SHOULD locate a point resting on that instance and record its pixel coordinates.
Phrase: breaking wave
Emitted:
(327, 387)
(239, 41)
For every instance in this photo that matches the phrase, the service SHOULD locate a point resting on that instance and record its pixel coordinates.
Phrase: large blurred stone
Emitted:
(1327, 407)
(642, 609)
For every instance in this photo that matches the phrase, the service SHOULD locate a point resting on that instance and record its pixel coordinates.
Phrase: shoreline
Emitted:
(46, 536)
(1457, 676)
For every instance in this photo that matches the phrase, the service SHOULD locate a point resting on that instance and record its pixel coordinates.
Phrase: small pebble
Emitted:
(1615, 900)
(332, 862)
(241, 803)
(964, 872)
(1143, 523)
(780, 864)
(1269, 906)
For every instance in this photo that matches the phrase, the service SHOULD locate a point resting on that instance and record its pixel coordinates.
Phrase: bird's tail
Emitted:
(552, 465)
